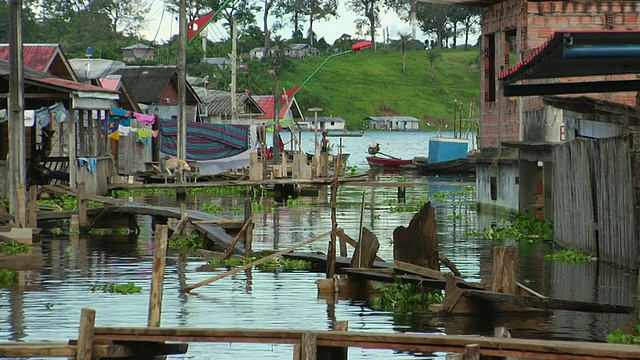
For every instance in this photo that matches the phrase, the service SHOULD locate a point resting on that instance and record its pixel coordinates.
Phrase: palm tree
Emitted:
(404, 40)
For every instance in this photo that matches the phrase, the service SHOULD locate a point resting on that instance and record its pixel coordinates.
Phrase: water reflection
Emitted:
(255, 299)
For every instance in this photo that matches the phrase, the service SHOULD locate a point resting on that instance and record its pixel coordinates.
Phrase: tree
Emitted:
(471, 22)
(433, 55)
(320, 10)
(433, 19)
(370, 9)
(294, 11)
(240, 10)
(404, 40)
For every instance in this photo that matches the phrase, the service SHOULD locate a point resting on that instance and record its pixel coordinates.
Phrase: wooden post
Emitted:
(82, 207)
(365, 252)
(33, 207)
(82, 144)
(331, 253)
(454, 357)
(157, 279)
(343, 243)
(402, 191)
(84, 350)
(504, 275)
(324, 164)
(74, 223)
(309, 346)
(248, 234)
(297, 351)
(472, 352)
(73, 157)
(334, 352)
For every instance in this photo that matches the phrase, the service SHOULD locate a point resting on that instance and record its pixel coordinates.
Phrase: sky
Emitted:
(161, 26)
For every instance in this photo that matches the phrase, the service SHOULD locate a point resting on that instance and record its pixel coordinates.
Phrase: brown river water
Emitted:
(49, 307)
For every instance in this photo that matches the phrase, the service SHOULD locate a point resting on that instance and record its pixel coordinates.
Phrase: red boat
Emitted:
(390, 163)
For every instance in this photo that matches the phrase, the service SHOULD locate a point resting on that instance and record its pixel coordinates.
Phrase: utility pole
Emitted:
(17, 159)
(234, 68)
(182, 82)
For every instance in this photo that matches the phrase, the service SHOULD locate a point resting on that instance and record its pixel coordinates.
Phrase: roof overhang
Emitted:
(578, 54)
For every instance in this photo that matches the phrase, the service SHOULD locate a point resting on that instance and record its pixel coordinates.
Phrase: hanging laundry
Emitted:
(90, 161)
(59, 113)
(43, 116)
(113, 129)
(124, 130)
(4, 115)
(145, 119)
(143, 136)
(29, 118)
(123, 116)
(155, 133)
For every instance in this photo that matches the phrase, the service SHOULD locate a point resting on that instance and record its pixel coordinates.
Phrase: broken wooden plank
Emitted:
(430, 273)
(547, 303)
(364, 254)
(418, 243)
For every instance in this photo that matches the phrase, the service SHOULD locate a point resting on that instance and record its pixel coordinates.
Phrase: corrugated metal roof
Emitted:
(47, 58)
(146, 83)
(44, 78)
(267, 105)
(139, 46)
(392, 118)
(219, 102)
(298, 46)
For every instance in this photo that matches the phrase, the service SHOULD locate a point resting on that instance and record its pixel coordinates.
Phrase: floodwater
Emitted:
(48, 308)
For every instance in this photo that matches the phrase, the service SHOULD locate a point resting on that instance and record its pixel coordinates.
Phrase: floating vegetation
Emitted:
(212, 209)
(113, 288)
(103, 232)
(521, 228)
(272, 265)
(352, 170)
(8, 278)
(404, 297)
(291, 202)
(619, 337)
(65, 202)
(14, 248)
(236, 210)
(569, 257)
(411, 207)
(56, 231)
(187, 243)
(218, 190)
(137, 192)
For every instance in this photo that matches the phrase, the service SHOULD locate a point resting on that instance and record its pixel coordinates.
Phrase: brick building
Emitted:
(514, 31)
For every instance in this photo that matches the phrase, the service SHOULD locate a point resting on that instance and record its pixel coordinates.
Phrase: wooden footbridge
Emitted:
(127, 342)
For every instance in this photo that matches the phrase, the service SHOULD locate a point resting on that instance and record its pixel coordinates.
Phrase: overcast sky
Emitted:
(161, 26)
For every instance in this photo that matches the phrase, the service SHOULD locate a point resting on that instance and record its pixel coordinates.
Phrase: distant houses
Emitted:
(138, 52)
(292, 50)
(394, 123)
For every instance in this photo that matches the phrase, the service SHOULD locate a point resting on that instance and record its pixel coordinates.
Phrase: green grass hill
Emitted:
(357, 85)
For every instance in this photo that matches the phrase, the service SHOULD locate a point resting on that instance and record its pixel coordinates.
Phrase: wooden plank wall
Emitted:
(594, 199)
(132, 155)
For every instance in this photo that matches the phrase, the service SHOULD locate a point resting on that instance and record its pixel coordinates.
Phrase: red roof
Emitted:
(111, 83)
(73, 85)
(35, 56)
(266, 104)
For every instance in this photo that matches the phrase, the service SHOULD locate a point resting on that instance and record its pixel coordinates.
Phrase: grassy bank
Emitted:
(355, 86)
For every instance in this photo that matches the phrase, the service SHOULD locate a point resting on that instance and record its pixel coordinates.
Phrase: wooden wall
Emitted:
(594, 199)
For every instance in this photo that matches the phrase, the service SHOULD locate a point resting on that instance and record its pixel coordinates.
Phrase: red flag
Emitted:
(288, 94)
(194, 27)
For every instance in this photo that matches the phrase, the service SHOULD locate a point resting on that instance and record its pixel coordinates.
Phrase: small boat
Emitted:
(376, 161)
(387, 162)
(462, 166)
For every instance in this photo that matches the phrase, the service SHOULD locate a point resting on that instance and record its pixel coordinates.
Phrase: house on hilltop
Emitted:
(138, 52)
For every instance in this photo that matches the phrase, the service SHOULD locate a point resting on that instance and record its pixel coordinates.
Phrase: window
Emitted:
(494, 188)
(333, 123)
(490, 68)
(511, 49)
(517, 180)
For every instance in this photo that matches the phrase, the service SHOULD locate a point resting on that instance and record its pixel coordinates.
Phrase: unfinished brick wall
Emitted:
(533, 23)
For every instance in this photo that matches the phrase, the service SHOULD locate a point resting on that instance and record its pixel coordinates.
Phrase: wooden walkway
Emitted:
(490, 346)
(346, 181)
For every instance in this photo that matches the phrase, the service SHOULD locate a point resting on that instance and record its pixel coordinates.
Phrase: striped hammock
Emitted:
(205, 141)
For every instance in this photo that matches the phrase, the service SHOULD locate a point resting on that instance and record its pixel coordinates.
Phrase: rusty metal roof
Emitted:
(45, 79)
(47, 58)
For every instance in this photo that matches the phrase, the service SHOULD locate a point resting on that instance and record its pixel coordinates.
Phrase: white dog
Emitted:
(172, 165)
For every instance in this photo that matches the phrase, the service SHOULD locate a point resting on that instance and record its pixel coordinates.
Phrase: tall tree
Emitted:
(320, 10)
(268, 4)
(126, 16)
(433, 19)
(404, 40)
(292, 11)
(370, 10)
(242, 10)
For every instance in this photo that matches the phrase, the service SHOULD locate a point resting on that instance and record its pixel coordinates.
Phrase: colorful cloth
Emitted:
(143, 136)
(29, 118)
(113, 128)
(91, 163)
(124, 130)
(205, 141)
(145, 119)
(123, 116)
